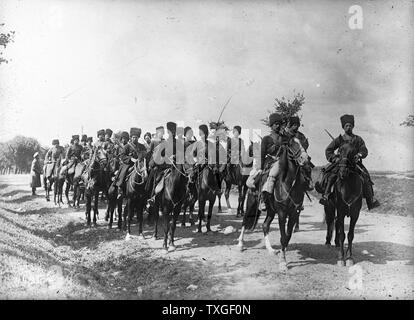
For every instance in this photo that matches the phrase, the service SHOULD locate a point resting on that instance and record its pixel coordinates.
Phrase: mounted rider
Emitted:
(88, 149)
(83, 140)
(330, 173)
(101, 139)
(167, 154)
(131, 152)
(235, 149)
(74, 154)
(147, 141)
(292, 130)
(109, 145)
(54, 155)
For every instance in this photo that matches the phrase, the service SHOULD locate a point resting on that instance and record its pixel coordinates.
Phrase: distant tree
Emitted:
(5, 39)
(287, 107)
(21, 150)
(409, 122)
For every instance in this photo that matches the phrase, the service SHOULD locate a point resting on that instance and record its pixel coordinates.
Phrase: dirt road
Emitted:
(47, 252)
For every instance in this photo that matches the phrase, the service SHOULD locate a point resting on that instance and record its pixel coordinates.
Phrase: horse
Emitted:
(78, 182)
(113, 201)
(346, 200)
(205, 180)
(135, 196)
(286, 199)
(50, 170)
(96, 179)
(189, 201)
(172, 197)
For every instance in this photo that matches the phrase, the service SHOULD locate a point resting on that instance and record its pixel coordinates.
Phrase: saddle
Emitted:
(160, 184)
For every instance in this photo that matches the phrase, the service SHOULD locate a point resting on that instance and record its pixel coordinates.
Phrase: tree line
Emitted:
(16, 155)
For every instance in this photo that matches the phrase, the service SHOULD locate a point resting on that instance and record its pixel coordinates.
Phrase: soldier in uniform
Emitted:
(83, 140)
(74, 154)
(109, 145)
(292, 130)
(166, 154)
(235, 147)
(101, 139)
(54, 155)
(269, 152)
(130, 153)
(348, 122)
(147, 141)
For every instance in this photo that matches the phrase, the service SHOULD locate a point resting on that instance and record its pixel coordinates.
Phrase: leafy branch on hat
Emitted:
(287, 107)
(409, 122)
(218, 125)
(5, 39)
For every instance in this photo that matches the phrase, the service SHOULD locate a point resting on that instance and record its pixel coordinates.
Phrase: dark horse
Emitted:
(206, 180)
(287, 199)
(113, 201)
(190, 199)
(346, 200)
(135, 196)
(96, 178)
(172, 197)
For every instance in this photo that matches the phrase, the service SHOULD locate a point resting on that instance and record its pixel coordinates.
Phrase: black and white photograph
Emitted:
(206, 150)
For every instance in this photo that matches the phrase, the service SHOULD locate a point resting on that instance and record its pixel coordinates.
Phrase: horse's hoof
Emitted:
(349, 262)
(283, 266)
(328, 244)
(165, 251)
(141, 237)
(272, 252)
(296, 229)
(110, 226)
(240, 245)
(192, 224)
(171, 248)
(199, 231)
(128, 237)
(183, 225)
(340, 263)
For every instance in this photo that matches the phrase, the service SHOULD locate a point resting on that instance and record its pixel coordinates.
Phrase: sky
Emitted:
(85, 65)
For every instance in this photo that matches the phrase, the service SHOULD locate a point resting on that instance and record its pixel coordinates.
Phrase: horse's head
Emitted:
(140, 168)
(101, 157)
(296, 152)
(347, 154)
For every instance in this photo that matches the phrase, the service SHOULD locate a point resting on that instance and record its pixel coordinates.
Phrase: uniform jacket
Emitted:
(235, 150)
(270, 145)
(131, 150)
(339, 141)
(74, 151)
(55, 153)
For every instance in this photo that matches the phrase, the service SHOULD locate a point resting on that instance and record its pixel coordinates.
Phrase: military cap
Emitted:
(84, 137)
(89, 139)
(101, 132)
(135, 132)
(125, 135)
(204, 128)
(347, 118)
(172, 126)
(294, 120)
(186, 129)
(75, 137)
(108, 132)
(55, 141)
(238, 128)
(275, 118)
(159, 128)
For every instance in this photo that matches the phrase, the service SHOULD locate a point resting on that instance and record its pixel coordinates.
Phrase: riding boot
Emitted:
(369, 195)
(324, 200)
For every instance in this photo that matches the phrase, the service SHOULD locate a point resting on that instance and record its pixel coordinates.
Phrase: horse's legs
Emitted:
(192, 203)
(67, 192)
(244, 192)
(219, 203)
(285, 236)
(95, 207)
(210, 213)
(201, 208)
(349, 259)
(185, 205)
(240, 243)
(227, 195)
(176, 213)
(341, 237)
(240, 200)
(266, 229)
(119, 210)
(140, 215)
(330, 222)
(88, 209)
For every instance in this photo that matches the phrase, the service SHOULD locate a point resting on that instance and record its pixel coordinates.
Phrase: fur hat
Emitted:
(135, 132)
(89, 139)
(172, 126)
(84, 137)
(125, 135)
(55, 142)
(159, 128)
(238, 128)
(108, 132)
(204, 128)
(294, 120)
(275, 118)
(101, 132)
(75, 137)
(347, 118)
(186, 129)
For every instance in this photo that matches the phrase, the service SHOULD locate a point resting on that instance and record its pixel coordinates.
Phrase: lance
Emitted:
(224, 107)
(329, 134)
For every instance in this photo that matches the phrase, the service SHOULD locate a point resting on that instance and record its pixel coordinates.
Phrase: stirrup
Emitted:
(324, 200)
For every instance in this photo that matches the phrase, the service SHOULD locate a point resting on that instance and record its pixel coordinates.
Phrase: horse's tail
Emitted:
(252, 211)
